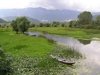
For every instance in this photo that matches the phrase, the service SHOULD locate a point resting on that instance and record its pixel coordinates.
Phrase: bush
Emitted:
(62, 24)
(91, 27)
(5, 64)
(54, 25)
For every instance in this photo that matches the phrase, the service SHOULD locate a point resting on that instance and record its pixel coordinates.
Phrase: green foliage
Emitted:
(20, 24)
(15, 26)
(62, 24)
(92, 22)
(55, 23)
(41, 24)
(73, 23)
(70, 23)
(47, 24)
(23, 24)
(5, 64)
(85, 17)
(97, 20)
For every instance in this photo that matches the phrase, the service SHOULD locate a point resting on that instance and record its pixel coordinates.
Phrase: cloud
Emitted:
(79, 5)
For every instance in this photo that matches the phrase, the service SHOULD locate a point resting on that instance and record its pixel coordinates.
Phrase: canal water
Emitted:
(90, 49)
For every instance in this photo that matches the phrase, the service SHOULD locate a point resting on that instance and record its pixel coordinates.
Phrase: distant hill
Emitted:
(10, 18)
(3, 21)
(41, 14)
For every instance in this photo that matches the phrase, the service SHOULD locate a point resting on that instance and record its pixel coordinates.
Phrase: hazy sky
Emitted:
(80, 5)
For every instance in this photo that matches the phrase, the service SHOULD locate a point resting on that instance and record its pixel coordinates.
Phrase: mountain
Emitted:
(3, 21)
(94, 16)
(10, 18)
(41, 14)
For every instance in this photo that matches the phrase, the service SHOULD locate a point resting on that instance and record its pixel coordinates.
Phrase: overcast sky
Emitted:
(80, 5)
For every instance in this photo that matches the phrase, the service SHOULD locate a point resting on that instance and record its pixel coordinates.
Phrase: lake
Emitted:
(90, 49)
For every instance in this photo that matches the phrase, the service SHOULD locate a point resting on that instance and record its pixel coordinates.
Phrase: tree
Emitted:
(62, 24)
(92, 22)
(41, 24)
(23, 24)
(54, 24)
(47, 24)
(97, 20)
(74, 23)
(70, 23)
(32, 25)
(85, 17)
(15, 26)
(57, 22)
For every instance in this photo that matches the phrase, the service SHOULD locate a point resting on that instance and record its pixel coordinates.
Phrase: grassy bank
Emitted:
(68, 32)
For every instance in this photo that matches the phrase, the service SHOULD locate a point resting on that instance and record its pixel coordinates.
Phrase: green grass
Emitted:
(24, 45)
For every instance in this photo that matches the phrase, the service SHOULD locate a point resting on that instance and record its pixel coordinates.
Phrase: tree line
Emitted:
(85, 21)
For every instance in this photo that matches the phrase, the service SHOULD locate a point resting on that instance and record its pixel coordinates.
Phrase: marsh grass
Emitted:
(92, 31)
(67, 52)
(51, 41)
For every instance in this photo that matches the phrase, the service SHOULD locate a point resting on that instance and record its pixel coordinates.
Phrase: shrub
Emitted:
(62, 25)
(5, 64)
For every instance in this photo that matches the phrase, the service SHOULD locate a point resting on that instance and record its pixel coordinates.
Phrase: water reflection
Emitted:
(91, 49)
(85, 42)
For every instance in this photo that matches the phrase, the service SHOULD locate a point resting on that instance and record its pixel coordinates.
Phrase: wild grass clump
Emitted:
(92, 31)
